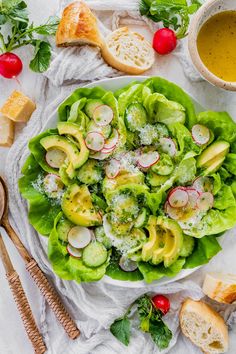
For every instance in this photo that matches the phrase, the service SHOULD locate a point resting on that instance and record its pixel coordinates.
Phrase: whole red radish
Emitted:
(164, 41)
(161, 303)
(10, 65)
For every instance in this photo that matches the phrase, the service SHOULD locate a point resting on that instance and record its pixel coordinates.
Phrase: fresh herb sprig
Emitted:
(15, 14)
(172, 13)
(150, 322)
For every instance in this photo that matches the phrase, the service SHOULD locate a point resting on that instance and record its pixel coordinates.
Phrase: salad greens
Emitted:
(132, 184)
(14, 13)
(150, 321)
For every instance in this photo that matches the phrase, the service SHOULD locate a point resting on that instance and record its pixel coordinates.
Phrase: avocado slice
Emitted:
(167, 240)
(69, 148)
(153, 241)
(216, 163)
(78, 208)
(156, 180)
(67, 128)
(215, 151)
(122, 179)
(176, 233)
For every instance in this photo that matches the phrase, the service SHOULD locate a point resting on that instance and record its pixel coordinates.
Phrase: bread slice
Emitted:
(220, 287)
(128, 51)
(78, 26)
(204, 327)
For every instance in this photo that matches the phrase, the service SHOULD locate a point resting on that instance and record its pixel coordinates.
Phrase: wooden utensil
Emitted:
(32, 267)
(21, 301)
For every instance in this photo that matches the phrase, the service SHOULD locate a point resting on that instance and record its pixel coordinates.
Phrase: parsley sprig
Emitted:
(15, 14)
(150, 322)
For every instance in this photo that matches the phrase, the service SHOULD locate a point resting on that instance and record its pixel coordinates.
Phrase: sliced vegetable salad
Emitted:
(132, 184)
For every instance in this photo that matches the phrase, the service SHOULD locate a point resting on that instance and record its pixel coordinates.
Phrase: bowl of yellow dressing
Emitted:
(212, 42)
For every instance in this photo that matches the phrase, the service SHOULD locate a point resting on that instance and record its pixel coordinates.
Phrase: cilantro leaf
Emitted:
(42, 56)
(120, 328)
(50, 26)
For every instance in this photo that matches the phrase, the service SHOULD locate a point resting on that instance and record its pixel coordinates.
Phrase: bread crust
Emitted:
(78, 26)
(208, 314)
(220, 287)
(115, 40)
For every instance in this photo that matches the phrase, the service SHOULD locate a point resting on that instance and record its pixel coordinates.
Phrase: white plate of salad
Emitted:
(132, 182)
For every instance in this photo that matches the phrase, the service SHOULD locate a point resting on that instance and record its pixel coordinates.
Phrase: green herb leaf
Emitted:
(160, 333)
(120, 328)
(42, 57)
(16, 11)
(50, 26)
(3, 19)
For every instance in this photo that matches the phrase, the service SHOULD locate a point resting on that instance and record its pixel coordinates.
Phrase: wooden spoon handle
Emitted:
(26, 313)
(53, 299)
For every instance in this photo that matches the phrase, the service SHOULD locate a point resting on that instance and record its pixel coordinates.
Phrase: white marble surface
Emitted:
(12, 336)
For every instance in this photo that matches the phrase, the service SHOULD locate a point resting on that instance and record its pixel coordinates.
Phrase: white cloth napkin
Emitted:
(93, 306)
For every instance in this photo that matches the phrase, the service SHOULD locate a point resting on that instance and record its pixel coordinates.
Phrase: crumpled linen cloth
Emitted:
(94, 306)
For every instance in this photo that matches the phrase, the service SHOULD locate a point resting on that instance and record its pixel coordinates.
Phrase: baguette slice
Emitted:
(220, 287)
(128, 51)
(78, 26)
(204, 327)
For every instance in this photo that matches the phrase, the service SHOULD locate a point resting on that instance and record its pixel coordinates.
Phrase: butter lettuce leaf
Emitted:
(68, 267)
(42, 210)
(230, 163)
(221, 124)
(224, 198)
(205, 249)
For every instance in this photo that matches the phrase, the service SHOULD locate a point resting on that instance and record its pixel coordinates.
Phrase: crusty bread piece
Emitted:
(78, 26)
(220, 287)
(204, 327)
(128, 51)
(6, 131)
(18, 107)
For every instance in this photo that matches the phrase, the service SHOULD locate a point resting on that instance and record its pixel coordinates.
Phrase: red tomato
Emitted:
(164, 41)
(161, 303)
(10, 65)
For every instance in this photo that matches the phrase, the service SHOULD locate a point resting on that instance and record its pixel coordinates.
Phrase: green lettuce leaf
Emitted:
(81, 95)
(68, 267)
(215, 222)
(42, 210)
(221, 124)
(151, 272)
(205, 249)
(230, 163)
(39, 152)
(224, 198)
(114, 271)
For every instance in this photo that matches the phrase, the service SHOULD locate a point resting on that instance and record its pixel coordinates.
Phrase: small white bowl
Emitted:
(209, 9)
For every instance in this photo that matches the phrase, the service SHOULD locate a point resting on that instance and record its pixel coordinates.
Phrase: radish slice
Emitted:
(203, 184)
(53, 185)
(112, 141)
(168, 146)
(193, 195)
(127, 265)
(79, 236)
(148, 159)
(107, 151)
(200, 134)
(178, 198)
(103, 115)
(95, 141)
(74, 252)
(174, 213)
(205, 201)
(113, 168)
(55, 158)
(101, 155)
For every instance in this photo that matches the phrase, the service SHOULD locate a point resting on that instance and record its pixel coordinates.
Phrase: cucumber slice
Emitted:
(135, 117)
(94, 255)
(142, 218)
(164, 166)
(63, 228)
(105, 130)
(91, 105)
(188, 246)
